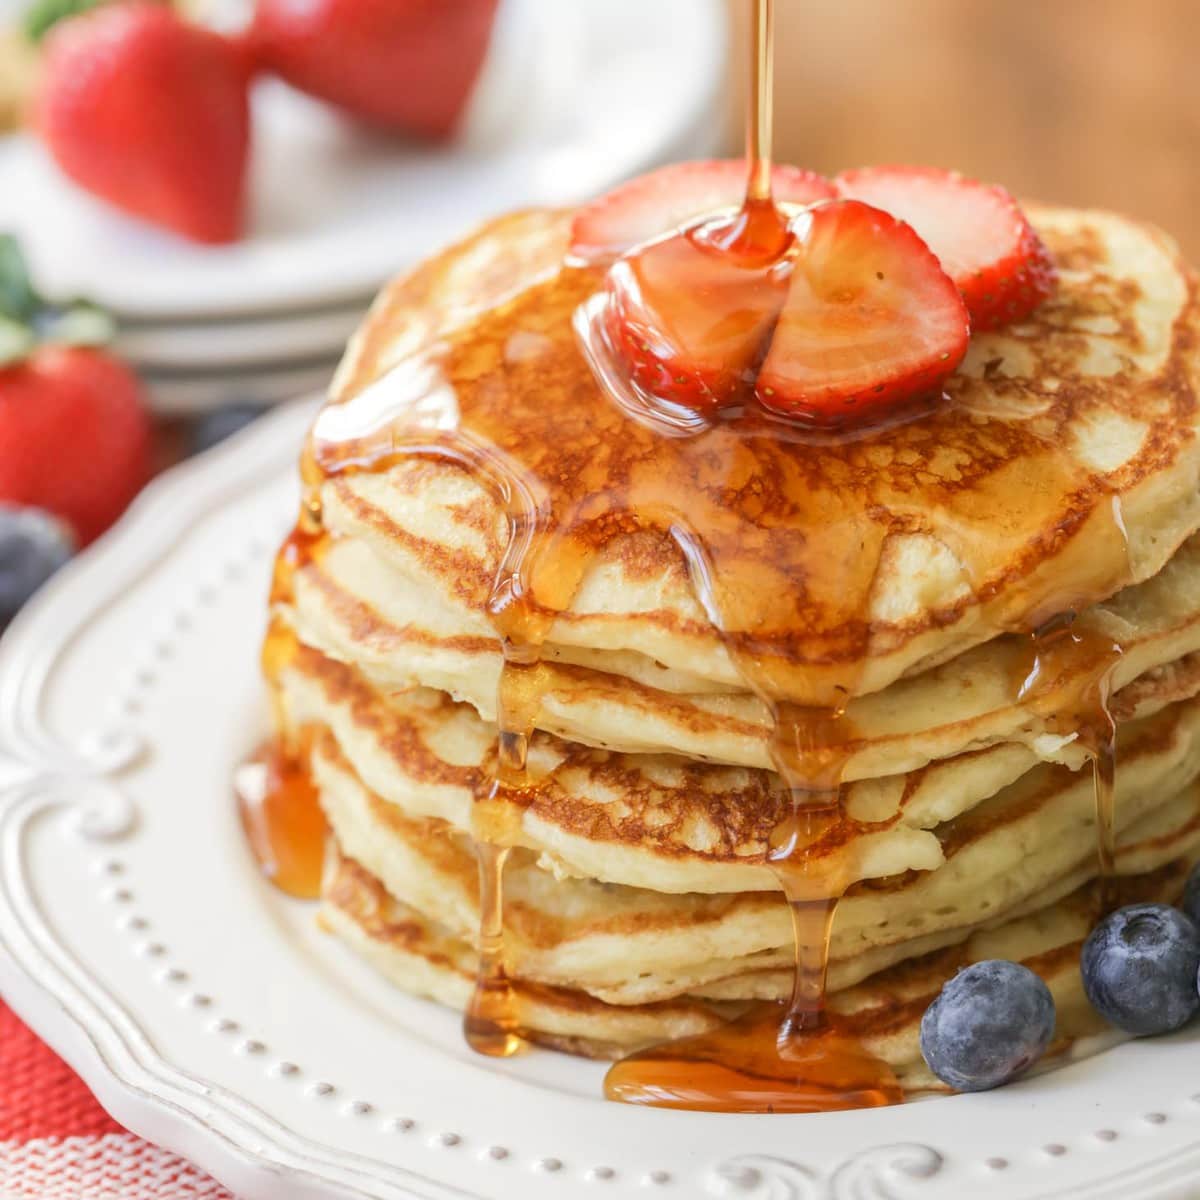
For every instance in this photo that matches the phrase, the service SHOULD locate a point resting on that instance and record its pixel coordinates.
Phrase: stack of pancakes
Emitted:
(640, 902)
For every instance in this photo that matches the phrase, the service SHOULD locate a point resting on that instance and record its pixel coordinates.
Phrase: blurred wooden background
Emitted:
(1077, 101)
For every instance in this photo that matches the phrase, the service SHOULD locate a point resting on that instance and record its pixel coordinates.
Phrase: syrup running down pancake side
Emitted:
(1067, 648)
(277, 800)
(783, 532)
(775, 1058)
(784, 538)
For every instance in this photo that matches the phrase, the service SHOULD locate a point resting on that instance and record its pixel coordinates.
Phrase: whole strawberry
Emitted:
(74, 438)
(403, 64)
(151, 114)
(74, 434)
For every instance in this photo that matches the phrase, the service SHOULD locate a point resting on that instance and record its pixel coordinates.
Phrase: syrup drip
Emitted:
(794, 1057)
(277, 800)
(490, 1024)
(520, 612)
(760, 110)
(1068, 683)
(783, 541)
(810, 751)
(283, 821)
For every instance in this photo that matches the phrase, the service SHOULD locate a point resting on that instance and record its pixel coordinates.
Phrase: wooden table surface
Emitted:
(1090, 102)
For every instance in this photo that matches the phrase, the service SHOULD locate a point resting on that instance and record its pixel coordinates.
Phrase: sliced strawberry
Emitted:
(978, 231)
(665, 199)
(871, 319)
(692, 321)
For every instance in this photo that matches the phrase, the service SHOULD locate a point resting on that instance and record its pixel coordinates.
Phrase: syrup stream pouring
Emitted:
(775, 1058)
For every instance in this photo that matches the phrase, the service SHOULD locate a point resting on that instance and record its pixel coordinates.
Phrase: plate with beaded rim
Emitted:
(210, 1015)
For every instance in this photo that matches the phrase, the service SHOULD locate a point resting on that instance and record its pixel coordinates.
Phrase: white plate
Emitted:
(209, 1015)
(576, 94)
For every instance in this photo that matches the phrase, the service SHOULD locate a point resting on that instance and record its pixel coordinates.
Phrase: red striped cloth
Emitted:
(57, 1143)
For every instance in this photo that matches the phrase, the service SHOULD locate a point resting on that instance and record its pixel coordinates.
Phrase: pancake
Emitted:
(423, 958)
(666, 824)
(400, 641)
(561, 666)
(1063, 466)
(630, 945)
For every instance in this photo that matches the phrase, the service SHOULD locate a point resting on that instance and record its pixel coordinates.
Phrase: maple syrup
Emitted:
(1067, 681)
(757, 1063)
(793, 1057)
(761, 107)
(783, 544)
(706, 297)
(276, 797)
(490, 1022)
(284, 825)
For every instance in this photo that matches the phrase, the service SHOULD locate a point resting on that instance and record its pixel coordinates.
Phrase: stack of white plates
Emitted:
(262, 357)
(574, 97)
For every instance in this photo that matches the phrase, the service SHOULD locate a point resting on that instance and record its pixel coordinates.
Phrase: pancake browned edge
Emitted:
(1018, 851)
(639, 898)
(668, 825)
(1104, 375)
(420, 957)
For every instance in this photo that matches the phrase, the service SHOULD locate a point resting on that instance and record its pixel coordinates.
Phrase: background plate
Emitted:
(576, 94)
(248, 343)
(209, 1015)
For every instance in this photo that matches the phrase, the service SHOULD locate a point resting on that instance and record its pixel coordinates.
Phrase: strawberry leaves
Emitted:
(27, 319)
(45, 14)
(18, 303)
(18, 300)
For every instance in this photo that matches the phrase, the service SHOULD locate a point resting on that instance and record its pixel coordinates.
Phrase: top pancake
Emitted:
(1063, 465)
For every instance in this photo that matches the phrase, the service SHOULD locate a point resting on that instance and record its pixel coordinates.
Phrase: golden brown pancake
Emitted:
(969, 702)
(472, 489)
(423, 958)
(1064, 465)
(1031, 842)
(673, 825)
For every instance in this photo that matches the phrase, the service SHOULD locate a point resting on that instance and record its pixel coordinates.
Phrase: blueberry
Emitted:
(1139, 968)
(221, 423)
(988, 1024)
(1191, 895)
(33, 545)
